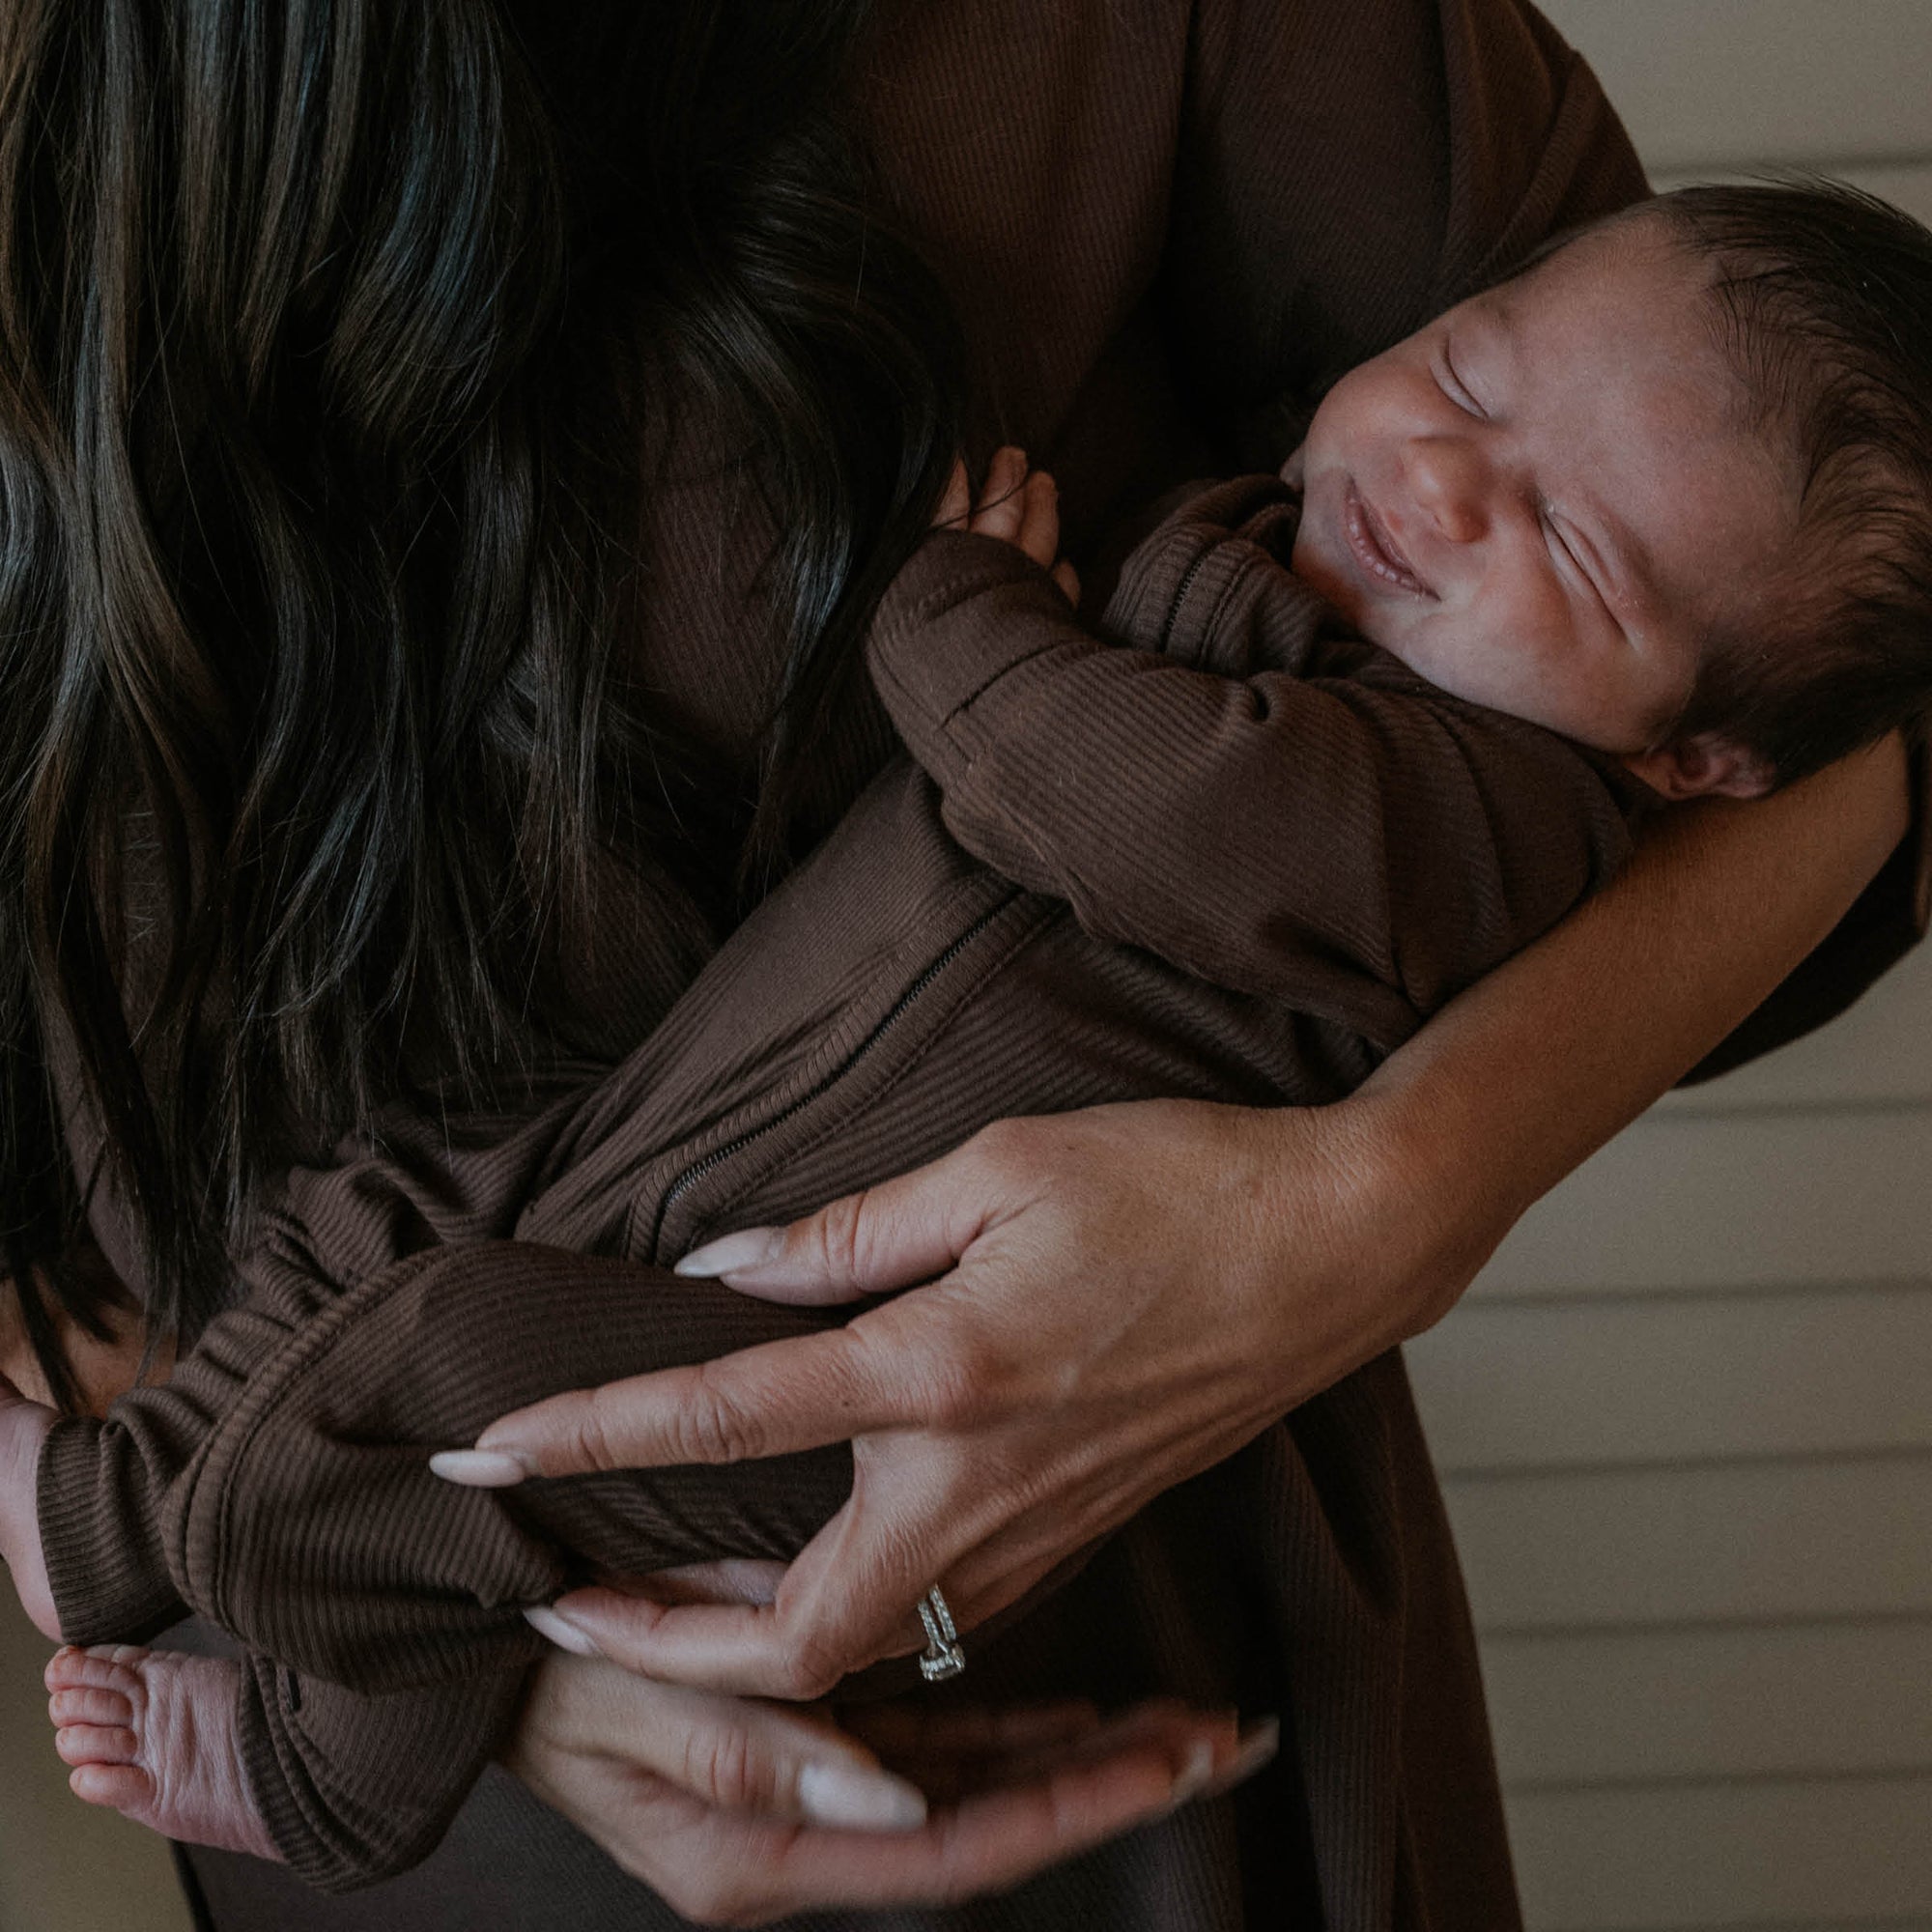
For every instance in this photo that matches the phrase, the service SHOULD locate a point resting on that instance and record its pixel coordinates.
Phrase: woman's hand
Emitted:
(621, 1757)
(1126, 1295)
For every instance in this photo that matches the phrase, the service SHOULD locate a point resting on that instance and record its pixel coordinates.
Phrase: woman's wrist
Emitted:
(1366, 1229)
(1524, 1075)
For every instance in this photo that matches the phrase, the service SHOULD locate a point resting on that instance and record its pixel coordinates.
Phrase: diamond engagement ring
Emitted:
(943, 1656)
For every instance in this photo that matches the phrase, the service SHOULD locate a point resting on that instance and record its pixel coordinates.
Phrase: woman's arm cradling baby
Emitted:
(24, 1429)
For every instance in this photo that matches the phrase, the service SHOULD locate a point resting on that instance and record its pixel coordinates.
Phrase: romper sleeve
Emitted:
(1249, 791)
(103, 1485)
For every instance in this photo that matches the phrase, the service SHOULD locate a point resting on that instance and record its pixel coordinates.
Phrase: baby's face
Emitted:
(1538, 501)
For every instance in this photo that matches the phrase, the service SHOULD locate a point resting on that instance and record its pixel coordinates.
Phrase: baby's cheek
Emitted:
(1505, 664)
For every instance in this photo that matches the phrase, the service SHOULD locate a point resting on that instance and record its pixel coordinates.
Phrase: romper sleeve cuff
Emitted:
(1010, 598)
(99, 1531)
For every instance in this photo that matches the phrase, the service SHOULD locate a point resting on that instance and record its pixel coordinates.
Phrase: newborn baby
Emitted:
(1598, 529)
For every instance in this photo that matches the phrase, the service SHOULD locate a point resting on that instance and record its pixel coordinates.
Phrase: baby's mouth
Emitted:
(1373, 548)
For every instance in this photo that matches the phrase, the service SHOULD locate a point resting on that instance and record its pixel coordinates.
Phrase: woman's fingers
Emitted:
(731, 1753)
(769, 1401)
(995, 1838)
(579, 1748)
(725, 1579)
(994, 1750)
(908, 1229)
(902, 1733)
(839, 1604)
(850, 1597)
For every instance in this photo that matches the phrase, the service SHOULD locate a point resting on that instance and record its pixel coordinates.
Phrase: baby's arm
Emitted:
(1248, 788)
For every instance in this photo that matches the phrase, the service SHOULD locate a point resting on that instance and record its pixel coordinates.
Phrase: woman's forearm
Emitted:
(1526, 1074)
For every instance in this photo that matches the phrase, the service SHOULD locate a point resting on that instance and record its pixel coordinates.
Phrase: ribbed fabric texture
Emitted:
(1155, 220)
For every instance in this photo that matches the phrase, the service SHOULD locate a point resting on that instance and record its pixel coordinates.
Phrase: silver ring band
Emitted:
(943, 1656)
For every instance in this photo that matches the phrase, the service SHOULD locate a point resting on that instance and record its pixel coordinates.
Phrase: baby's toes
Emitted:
(112, 1667)
(97, 1744)
(95, 1706)
(85, 1705)
(120, 1787)
(66, 1667)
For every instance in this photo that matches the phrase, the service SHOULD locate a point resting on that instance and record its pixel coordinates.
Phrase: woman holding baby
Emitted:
(356, 669)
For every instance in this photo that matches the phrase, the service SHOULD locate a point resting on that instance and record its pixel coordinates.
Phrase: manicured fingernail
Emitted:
(1194, 1777)
(733, 1254)
(480, 1469)
(1258, 1746)
(561, 1631)
(855, 1800)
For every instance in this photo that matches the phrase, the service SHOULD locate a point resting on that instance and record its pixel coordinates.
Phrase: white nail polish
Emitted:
(1260, 1744)
(546, 1624)
(1195, 1774)
(852, 1799)
(480, 1469)
(731, 1254)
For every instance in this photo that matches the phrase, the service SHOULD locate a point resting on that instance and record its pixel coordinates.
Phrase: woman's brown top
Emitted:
(1153, 219)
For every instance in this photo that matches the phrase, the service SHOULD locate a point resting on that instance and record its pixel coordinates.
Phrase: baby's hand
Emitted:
(23, 1428)
(1018, 506)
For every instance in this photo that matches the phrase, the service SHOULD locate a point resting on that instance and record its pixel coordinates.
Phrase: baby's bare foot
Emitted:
(153, 1735)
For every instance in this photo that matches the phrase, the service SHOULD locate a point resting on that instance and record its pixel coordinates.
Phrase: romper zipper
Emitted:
(718, 1156)
(1185, 585)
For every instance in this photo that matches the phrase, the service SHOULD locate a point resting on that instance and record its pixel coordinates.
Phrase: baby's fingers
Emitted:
(1003, 501)
(955, 503)
(1040, 519)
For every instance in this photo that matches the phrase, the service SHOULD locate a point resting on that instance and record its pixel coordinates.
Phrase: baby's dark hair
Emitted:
(1824, 301)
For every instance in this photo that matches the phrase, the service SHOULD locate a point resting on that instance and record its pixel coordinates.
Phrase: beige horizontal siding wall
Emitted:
(1686, 1416)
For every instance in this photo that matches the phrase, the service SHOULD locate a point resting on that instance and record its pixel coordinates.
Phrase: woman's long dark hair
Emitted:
(326, 328)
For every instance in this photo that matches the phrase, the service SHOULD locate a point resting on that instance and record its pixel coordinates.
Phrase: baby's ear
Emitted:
(1705, 765)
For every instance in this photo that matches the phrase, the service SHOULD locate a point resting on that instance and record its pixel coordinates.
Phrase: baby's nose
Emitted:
(1447, 478)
